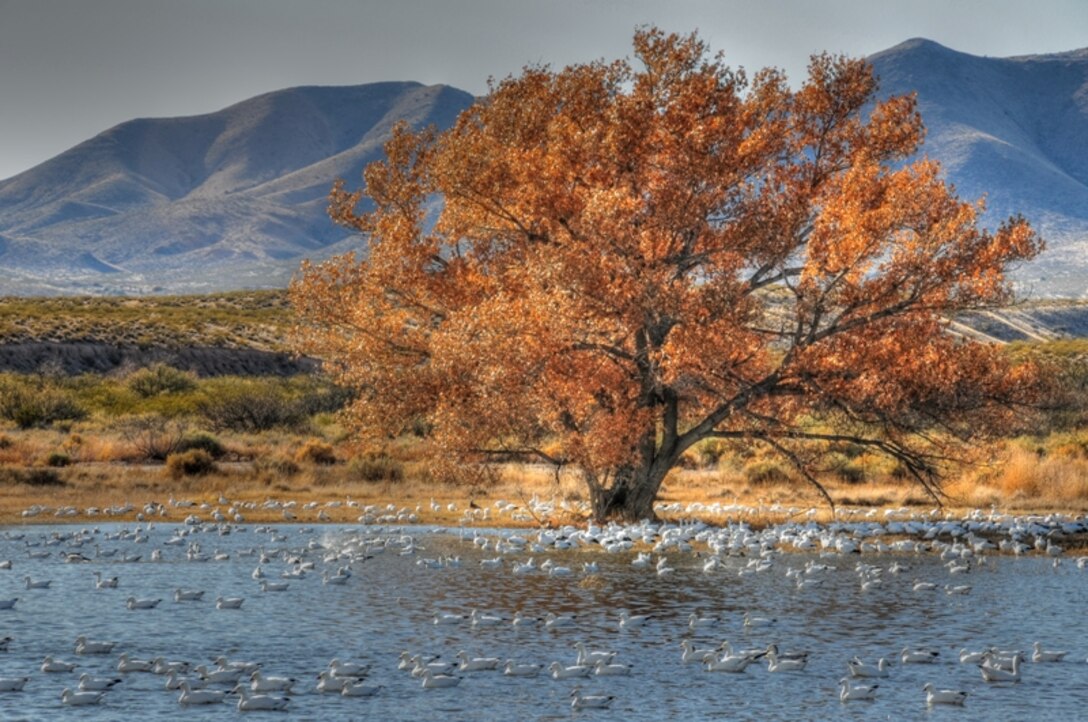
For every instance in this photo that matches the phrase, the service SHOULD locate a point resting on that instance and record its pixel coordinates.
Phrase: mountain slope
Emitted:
(230, 199)
(1014, 130)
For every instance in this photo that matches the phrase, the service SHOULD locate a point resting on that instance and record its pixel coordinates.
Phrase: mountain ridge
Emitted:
(237, 197)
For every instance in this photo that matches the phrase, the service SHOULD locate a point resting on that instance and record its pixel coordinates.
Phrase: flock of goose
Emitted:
(877, 550)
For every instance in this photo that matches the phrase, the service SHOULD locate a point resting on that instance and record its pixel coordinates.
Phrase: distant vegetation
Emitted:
(241, 319)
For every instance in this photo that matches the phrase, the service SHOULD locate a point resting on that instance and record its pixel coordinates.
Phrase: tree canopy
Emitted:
(602, 266)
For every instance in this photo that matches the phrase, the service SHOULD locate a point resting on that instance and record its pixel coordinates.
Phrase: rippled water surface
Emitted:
(387, 606)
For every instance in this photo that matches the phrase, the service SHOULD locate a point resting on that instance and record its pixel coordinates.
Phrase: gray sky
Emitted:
(72, 68)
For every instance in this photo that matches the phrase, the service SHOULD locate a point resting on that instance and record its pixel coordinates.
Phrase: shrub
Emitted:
(247, 406)
(377, 467)
(763, 471)
(159, 379)
(315, 452)
(205, 442)
(276, 465)
(58, 459)
(37, 405)
(195, 462)
(153, 436)
(30, 477)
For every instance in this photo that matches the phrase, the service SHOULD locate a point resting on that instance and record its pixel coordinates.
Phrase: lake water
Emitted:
(388, 605)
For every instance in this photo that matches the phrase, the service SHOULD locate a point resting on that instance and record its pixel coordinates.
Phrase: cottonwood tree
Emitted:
(601, 266)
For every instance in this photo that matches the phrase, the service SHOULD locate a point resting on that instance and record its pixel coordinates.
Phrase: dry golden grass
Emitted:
(274, 465)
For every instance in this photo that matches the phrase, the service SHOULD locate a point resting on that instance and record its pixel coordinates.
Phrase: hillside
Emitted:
(235, 199)
(232, 199)
(1014, 130)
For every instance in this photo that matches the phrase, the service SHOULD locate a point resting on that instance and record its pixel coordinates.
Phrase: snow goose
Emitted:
(476, 664)
(996, 674)
(100, 583)
(632, 621)
(188, 595)
(327, 682)
(448, 618)
(359, 689)
(80, 699)
(848, 692)
(348, 669)
(861, 669)
(695, 621)
(56, 665)
(8, 603)
(943, 696)
(199, 696)
(773, 649)
(693, 655)
(589, 701)
(174, 680)
(130, 664)
(13, 684)
(1041, 655)
(796, 664)
(160, 665)
(249, 702)
(229, 602)
(918, 656)
(134, 603)
(267, 586)
(591, 657)
(558, 671)
(729, 663)
(89, 683)
(513, 669)
(260, 683)
(479, 619)
(87, 646)
(750, 621)
(434, 667)
(439, 681)
(246, 667)
(219, 675)
(37, 584)
(521, 621)
(557, 621)
(969, 657)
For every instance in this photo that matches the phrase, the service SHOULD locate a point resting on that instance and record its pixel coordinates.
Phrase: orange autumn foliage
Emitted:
(619, 260)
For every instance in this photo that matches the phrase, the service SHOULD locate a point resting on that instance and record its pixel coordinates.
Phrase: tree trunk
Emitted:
(630, 498)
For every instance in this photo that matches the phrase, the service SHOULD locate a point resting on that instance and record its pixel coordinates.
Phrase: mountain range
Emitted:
(236, 198)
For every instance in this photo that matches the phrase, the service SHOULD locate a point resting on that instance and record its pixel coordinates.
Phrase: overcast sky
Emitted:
(72, 68)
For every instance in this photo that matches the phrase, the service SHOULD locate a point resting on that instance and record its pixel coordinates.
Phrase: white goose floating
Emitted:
(192, 696)
(559, 671)
(849, 692)
(13, 684)
(943, 696)
(997, 674)
(1041, 655)
(80, 699)
(89, 683)
(476, 664)
(861, 669)
(87, 646)
(359, 689)
(589, 701)
(229, 602)
(134, 603)
(56, 665)
(248, 702)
